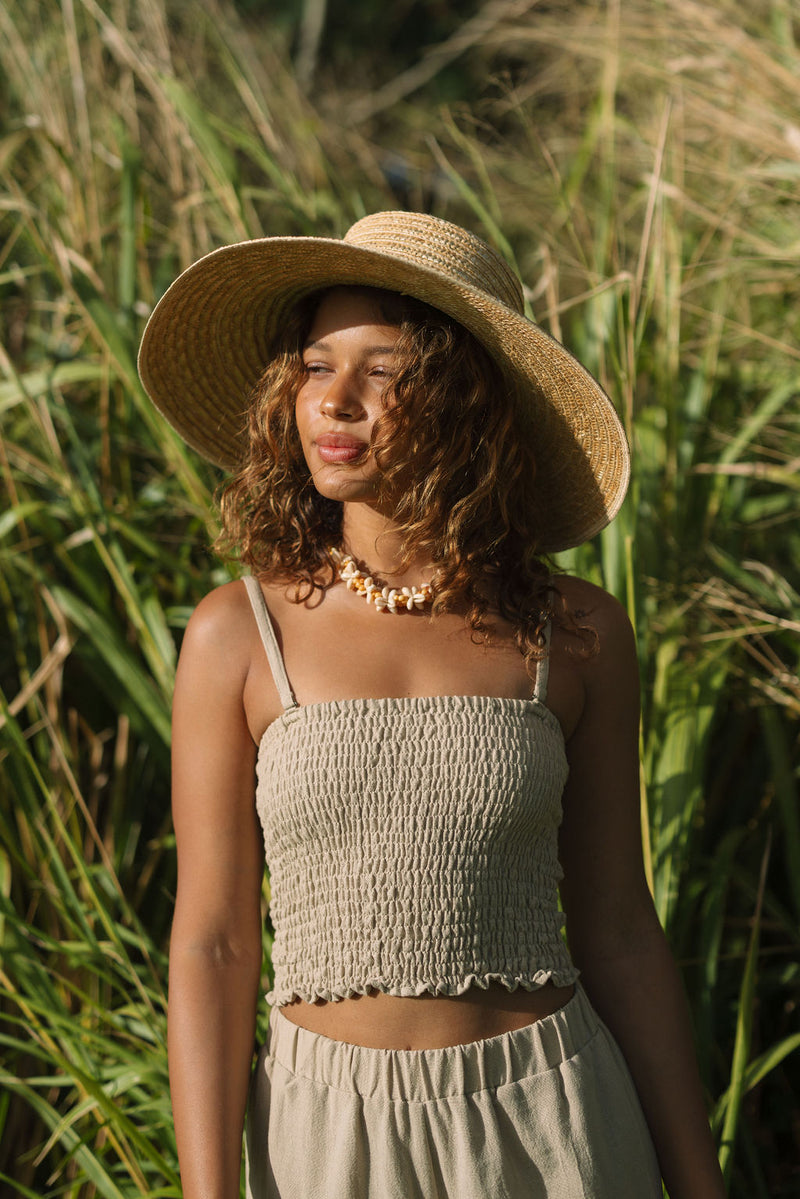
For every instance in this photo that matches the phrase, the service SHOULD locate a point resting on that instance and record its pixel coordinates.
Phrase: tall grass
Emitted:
(638, 162)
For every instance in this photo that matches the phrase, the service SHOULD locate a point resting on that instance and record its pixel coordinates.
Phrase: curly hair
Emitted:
(448, 449)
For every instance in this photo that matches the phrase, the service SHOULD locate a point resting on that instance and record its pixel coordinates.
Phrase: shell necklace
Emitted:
(385, 599)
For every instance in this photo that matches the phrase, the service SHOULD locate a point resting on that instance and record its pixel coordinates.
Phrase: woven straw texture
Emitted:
(208, 340)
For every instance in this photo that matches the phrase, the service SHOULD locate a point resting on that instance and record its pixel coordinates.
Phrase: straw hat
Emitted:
(208, 340)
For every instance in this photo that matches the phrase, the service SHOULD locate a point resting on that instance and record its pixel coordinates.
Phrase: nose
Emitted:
(342, 398)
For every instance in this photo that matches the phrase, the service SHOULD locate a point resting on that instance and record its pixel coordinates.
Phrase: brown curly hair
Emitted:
(448, 445)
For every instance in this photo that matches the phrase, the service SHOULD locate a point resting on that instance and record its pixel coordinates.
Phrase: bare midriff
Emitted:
(379, 1021)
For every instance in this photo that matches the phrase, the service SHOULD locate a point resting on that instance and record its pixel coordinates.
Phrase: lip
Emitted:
(338, 447)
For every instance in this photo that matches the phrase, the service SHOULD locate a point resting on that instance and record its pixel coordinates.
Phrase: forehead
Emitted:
(348, 308)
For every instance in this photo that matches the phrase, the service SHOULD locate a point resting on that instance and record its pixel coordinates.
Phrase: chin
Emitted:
(343, 490)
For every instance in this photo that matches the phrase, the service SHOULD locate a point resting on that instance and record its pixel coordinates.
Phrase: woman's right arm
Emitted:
(215, 948)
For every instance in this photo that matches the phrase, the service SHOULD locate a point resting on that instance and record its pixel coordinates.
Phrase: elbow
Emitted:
(224, 953)
(209, 969)
(217, 950)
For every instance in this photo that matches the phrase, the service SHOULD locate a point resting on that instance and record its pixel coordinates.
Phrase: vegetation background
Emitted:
(639, 162)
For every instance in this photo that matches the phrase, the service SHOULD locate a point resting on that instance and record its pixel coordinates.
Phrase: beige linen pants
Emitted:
(544, 1112)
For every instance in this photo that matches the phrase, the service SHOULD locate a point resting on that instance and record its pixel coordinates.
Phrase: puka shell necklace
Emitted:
(385, 599)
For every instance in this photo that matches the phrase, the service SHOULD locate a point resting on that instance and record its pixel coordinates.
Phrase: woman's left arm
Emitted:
(614, 934)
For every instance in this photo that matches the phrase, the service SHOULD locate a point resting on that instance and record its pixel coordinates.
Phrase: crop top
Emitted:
(411, 842)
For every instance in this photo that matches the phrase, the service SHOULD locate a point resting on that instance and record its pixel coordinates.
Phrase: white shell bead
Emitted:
(391, 599)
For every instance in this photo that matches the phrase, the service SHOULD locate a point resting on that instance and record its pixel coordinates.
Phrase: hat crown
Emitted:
(436, 245)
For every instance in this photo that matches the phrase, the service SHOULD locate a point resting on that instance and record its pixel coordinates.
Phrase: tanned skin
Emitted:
(336, 647)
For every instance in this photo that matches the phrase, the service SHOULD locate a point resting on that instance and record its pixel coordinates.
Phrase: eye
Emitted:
(315, 368)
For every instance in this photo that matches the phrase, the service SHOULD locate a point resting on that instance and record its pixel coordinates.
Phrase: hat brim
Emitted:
(207, 343)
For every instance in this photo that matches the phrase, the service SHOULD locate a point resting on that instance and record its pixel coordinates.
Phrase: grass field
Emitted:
(639, 164)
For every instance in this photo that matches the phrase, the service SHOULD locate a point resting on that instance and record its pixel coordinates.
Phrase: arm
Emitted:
(614, 933)
(215, 948)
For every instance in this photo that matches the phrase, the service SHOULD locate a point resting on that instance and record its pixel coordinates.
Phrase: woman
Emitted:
(420, 700)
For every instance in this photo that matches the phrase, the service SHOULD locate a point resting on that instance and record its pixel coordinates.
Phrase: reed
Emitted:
(638, 163)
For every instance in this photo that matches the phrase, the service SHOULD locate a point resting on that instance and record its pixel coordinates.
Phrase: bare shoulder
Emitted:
(595, 607)
(588, 601)
(220, 611)
(220, 632)
(585, 683)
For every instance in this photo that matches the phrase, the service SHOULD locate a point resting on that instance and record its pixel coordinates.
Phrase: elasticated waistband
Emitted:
(419, 1075)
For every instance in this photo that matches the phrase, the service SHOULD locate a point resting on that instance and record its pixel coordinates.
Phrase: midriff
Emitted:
(380, 1021)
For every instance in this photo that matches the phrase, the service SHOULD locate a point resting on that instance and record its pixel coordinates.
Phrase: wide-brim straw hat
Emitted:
(208, 341)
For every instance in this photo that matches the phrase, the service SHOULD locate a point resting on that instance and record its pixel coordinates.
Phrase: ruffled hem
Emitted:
(409, 990)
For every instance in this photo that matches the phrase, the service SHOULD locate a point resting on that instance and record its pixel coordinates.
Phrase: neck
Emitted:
(376, 540)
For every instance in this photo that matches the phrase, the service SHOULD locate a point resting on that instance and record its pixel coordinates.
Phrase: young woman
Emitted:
(408, 702)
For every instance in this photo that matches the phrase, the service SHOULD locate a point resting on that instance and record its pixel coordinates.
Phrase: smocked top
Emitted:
(411, 842)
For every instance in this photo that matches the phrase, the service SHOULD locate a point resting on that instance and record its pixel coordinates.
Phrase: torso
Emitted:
(339, 648)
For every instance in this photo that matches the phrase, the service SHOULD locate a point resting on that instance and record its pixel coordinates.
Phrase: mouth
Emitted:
(337, 447)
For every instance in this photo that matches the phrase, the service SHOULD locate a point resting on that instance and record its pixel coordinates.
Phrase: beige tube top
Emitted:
(411, 843)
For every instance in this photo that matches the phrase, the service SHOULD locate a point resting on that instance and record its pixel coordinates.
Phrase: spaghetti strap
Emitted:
(270, 642)
(543, 667)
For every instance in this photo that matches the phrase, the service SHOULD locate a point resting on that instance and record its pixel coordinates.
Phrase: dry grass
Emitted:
(639, 163)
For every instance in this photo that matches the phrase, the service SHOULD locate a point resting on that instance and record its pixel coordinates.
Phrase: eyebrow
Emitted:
(369, 352)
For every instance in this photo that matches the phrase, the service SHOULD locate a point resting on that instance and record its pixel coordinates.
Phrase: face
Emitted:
(349, 361)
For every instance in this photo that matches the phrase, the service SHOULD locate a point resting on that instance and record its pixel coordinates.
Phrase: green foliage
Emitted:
(639, 164)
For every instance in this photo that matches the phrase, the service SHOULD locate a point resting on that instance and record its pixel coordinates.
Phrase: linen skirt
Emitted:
(548, 1110)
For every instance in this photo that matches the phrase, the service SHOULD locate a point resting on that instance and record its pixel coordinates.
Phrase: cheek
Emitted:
(302, 411)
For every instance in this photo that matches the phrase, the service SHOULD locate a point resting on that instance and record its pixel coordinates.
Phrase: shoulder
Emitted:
(588, 601)
(596, 681)
(223, 656)
(592, 606)
(220, 609)
(221, 631)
